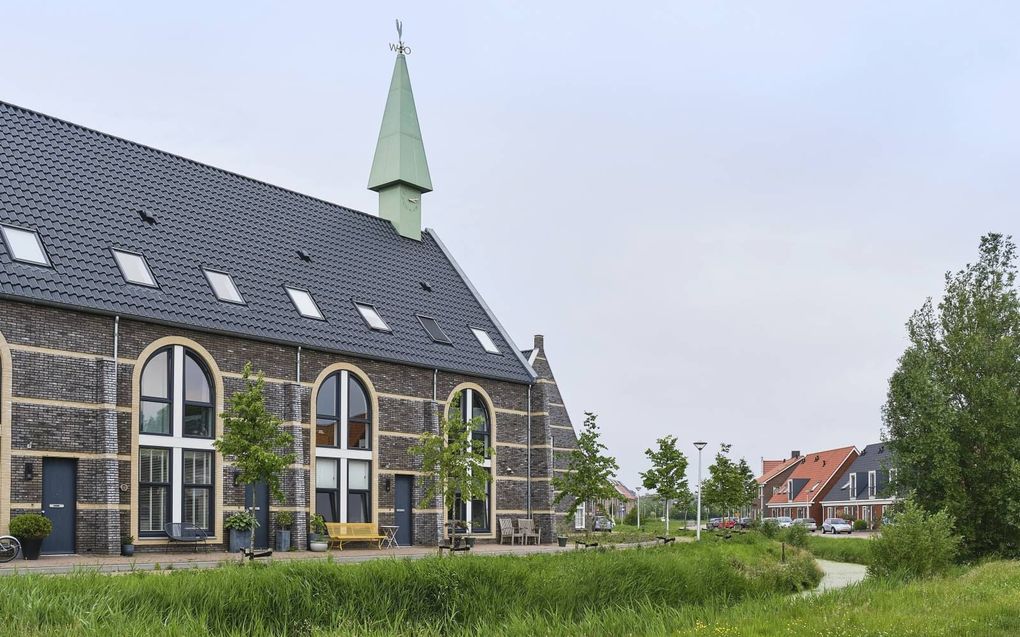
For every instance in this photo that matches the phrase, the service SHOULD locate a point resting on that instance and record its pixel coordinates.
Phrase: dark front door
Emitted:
(58, 492)
(261, 493)
(404, 510)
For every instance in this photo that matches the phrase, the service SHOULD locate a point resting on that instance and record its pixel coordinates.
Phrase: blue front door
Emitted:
(58, 492)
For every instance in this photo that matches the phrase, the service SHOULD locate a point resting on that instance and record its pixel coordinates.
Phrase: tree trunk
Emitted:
(667, 517)
(251, 543)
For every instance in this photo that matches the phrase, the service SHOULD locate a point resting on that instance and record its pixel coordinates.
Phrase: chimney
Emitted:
(794, 454)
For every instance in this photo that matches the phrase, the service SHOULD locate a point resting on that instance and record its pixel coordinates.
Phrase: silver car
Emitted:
(836, 525)
(807, 523)
(783, 521)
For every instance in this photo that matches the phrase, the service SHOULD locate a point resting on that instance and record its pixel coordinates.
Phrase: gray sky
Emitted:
(719, 214)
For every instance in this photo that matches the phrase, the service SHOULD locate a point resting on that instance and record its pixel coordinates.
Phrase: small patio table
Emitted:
(391, 536)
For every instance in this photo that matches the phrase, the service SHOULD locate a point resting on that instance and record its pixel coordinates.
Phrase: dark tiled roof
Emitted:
(83, 191)
(875, 457)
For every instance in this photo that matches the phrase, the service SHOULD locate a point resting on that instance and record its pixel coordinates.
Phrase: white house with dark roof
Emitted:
(135, 285)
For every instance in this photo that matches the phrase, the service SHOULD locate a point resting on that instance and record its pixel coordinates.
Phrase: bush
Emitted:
(795, 535)
(30, 526)
(768, 527)
(241, 521)
(631, 517)
(860, 525)
(915, 544)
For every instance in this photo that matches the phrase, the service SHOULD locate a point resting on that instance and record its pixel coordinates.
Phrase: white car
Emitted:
(807, 523)
(784, 521)
(836, 525)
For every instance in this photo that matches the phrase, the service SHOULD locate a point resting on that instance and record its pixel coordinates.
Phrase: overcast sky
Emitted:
(719, 214)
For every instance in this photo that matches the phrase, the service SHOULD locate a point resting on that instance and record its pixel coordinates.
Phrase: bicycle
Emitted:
(10, 547)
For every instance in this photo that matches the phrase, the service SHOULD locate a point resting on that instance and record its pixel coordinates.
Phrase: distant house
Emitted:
(621, 504)
(813, 477)
(774, 474)
(864, 490)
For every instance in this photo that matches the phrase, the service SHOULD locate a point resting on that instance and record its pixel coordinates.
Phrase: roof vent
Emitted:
(817, 457)
(794, 454)
(147, 217)
(823, 463)
(307, 258)
(425, 285)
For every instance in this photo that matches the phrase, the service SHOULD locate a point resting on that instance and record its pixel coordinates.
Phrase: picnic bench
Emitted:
(664, 539)
(182, 532)
(340, 532)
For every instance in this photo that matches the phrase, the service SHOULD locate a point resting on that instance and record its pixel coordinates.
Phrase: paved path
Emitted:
(838, 575)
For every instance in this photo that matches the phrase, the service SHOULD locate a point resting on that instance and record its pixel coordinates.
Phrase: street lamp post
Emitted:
(638, 490)
(700, 445)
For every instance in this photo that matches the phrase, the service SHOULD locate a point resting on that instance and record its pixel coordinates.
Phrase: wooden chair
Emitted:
(506, 531)
(181, 532)
(528, 531)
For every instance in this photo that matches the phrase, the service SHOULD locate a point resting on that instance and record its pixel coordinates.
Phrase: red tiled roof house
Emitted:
(810, 480)
(774, 474)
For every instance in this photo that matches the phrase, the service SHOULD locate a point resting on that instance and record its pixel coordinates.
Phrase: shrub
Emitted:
(127, 539)
(915, 544)
(795, 535)
(241, 521)
(860, 525)
(317, 524)
(30, 526)
(631, 517)
(768, 527)
(285, 519)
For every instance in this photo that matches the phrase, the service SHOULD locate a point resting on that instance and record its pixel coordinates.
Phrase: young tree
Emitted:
(668, 475)
(453, 462)
(952, 415)
(589, 470)
(730, 485)
(252, 439)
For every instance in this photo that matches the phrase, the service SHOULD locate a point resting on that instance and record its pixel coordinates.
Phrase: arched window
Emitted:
(175, 452)
(343, 457)
(470, 405)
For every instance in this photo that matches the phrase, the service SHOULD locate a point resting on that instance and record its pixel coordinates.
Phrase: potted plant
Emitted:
(30, 529)
(240, 525)
(284, 520)
(563, 528)
(127, 545)
(317, 533)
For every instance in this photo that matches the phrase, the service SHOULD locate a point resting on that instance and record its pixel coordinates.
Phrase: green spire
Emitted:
(400, 173)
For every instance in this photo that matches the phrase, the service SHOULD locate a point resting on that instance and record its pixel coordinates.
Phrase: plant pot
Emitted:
(30, 547)
(318, 546)
(470, 541)
(239, 539)
(283, 540)
(127, 550)
(562, 541)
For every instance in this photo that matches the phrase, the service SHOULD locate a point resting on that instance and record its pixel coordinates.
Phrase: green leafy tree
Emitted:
(453, 463)
(252, 439)
(668, 475)
(730, 485)
(952, 416)
(589, 470)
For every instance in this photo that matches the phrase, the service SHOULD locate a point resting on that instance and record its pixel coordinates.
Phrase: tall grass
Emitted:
(470, 594)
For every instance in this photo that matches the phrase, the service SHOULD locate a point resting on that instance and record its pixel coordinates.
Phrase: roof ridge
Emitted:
(196, 162)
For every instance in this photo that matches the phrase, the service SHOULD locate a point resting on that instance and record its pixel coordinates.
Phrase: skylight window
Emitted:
(305, 304)
(223, 287)
(371, 316)
(24, 245)
(134, 268)
(432, 327)
(485, 340)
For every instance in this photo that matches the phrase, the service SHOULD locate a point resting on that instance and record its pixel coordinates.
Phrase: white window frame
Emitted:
(177, 443)
(5, 228)
(370, 314)
(210, 274)
(467, 409)
(853, 487)
(579, 518)
(872, 485)
(296, 293)
(341, 453)
(789, 490)
(120, 255)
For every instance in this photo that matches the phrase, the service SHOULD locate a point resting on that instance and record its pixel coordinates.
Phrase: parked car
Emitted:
(836, 525)
(783, 521)
(602, 523)
(807, 523)
(714, 523)
(729, 523)
(745, 523)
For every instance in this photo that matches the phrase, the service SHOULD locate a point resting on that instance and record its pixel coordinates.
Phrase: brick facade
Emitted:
(69, 397)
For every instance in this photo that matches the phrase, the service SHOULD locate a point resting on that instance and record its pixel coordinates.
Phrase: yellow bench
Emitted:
(340, 532)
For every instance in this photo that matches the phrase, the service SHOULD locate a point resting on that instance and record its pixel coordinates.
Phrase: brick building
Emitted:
(773, 478)
(136, 284)
(808, 483)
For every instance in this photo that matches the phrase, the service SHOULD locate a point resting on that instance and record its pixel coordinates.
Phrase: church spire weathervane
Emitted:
(400, 47)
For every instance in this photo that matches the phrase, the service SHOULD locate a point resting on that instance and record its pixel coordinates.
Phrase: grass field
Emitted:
(441, 596)
(840, 550)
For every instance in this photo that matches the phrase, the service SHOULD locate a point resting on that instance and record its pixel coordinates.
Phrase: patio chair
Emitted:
(182, 532)
(528, 531)
(506, 531)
